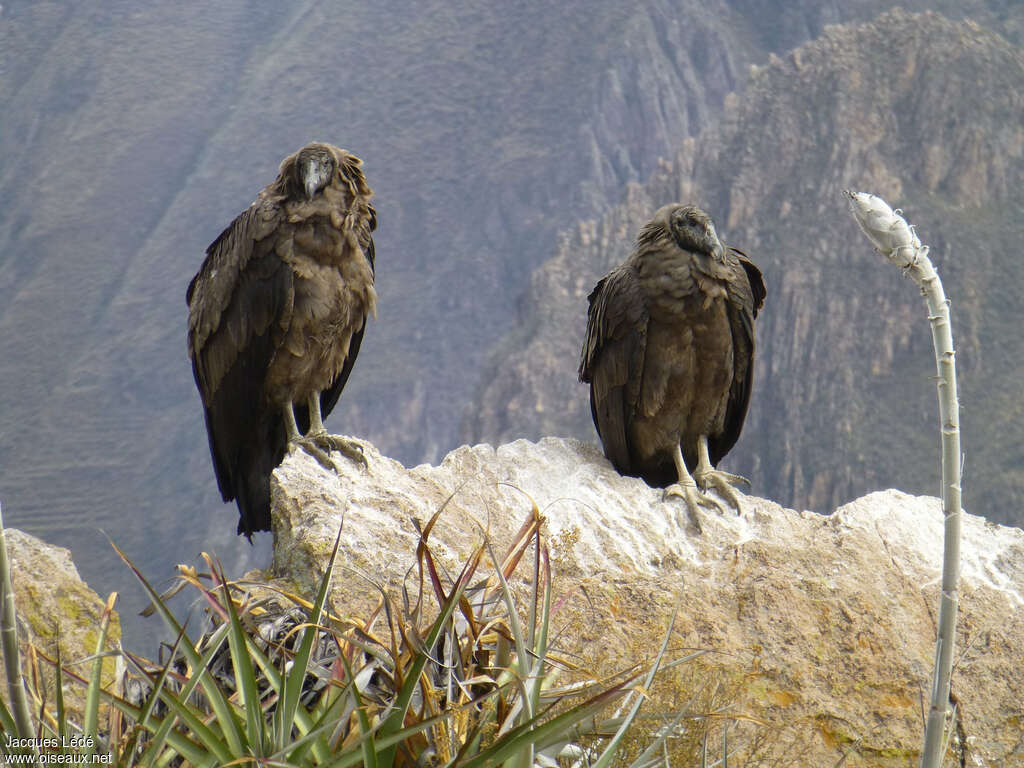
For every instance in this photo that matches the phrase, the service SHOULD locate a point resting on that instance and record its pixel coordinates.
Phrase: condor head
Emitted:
(693, 230)
(314, 168)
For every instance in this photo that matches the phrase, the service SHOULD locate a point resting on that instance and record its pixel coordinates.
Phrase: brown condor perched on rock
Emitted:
(669, 356)
(276, 316)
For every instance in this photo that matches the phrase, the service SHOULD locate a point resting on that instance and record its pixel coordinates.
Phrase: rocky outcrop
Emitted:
(56, 609)
(822, 627)
(922, 110)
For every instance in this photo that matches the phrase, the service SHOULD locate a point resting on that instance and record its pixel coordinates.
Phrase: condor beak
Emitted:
(314, 179)
(715, 246)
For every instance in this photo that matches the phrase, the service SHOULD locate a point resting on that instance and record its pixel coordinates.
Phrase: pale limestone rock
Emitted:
(822, 624)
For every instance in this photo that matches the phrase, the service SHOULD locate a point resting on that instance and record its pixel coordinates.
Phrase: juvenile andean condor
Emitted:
(276, 316)
(669, 355)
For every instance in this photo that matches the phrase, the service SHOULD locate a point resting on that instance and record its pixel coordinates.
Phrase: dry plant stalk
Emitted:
(896, 240)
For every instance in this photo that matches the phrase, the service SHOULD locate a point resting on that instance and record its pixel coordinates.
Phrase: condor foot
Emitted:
(723, 483)
(319, 445)
(694, 500)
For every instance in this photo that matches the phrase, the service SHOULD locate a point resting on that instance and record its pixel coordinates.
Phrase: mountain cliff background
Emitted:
(514, 152)
(845, 401)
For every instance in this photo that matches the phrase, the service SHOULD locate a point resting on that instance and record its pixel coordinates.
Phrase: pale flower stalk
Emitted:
(896, 240)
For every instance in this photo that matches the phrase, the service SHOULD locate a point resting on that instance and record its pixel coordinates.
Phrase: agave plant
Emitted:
(456, 677)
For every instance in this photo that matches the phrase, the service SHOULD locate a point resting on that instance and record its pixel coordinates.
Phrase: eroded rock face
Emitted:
(55, 607)
(824, 623)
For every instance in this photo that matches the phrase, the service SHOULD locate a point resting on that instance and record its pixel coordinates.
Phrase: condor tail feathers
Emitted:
(256, 462)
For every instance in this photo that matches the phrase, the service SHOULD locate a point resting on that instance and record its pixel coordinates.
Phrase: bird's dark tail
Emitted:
(256, 462)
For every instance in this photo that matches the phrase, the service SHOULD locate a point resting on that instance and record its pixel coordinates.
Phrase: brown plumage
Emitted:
(276, 316)
(669, 354)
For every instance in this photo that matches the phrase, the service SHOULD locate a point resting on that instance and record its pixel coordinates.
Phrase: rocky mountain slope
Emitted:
(131, 134)
(820, 626)
(843, 402)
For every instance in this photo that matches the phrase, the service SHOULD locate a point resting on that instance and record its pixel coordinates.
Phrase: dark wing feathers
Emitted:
(241, 291)
(240, 303)
(613, 358)
(754, 277)
(247, 441)
(746, 292)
